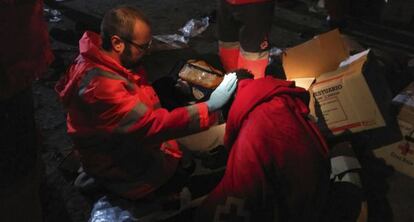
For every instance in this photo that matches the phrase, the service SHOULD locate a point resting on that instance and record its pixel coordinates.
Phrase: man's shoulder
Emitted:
(95, 71)
(89, 68)
(97, 80)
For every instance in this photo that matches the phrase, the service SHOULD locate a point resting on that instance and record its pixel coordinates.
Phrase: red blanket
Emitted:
(277, 169)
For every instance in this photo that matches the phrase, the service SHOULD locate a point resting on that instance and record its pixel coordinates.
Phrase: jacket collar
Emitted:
(90, 49)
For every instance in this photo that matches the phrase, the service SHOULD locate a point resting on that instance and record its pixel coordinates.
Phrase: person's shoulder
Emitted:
(105, 75)
(101, 81)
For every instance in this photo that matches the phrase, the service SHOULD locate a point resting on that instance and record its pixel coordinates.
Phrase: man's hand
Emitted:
(223, 92)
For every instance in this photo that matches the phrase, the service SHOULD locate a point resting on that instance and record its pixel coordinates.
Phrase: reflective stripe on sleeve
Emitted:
(98, 72)
(194, 116)
(199, 116)
(132, 117)
(342, 168)
(342, 164)
(203, 115)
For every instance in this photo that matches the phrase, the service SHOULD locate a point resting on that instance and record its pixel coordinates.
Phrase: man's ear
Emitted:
(117, 44)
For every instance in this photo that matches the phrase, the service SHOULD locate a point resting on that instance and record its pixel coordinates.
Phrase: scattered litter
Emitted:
(104, 210)
(274, 54)
(173, 41)
(195, 27)
(274, 51)
(317, 7)
(191, 29)
(121, 210)
(52, 15)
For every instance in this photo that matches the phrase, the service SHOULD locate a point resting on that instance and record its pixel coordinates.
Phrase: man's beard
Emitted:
(126, 60)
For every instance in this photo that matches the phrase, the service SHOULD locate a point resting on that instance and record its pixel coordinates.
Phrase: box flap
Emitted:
(303, 82)
(344, 100)
(362, 55)
(319, 55)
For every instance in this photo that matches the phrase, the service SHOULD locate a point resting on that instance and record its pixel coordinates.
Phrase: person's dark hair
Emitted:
(241, 74)
(120, 21)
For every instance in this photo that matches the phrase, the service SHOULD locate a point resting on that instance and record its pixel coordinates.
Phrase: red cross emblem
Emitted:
(405, 149)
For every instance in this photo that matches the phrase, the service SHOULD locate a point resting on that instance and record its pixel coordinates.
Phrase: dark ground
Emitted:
(391, 194)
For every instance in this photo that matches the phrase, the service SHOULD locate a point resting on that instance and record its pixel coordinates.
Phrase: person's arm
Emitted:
(119, 111)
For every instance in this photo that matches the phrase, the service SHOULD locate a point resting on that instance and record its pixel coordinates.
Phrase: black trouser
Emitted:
(248, 24)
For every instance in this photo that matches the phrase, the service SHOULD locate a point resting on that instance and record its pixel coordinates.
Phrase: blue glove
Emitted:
(223, 92)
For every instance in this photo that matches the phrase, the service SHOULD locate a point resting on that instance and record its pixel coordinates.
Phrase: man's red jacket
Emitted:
(277, 168)
(117, 124)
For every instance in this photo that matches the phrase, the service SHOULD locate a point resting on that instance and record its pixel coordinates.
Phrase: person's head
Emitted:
(126, 32)
(241, 75)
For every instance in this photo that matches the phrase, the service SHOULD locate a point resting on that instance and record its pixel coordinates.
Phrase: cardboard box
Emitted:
(401, 154)
(322, 54)
(341, 99)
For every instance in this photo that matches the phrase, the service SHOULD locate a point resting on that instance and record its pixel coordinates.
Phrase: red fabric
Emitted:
(257, 67)
(277, 169)
(121, 113)
(240, 2)
(25, 53)
(229, 57)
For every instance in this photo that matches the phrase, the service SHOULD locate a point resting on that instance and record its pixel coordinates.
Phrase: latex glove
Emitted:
(223, 92)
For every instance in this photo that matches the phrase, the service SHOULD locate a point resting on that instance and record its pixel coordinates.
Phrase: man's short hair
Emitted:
(120, 21)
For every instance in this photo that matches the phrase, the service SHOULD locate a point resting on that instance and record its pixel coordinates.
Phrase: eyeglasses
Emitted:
(143, 47)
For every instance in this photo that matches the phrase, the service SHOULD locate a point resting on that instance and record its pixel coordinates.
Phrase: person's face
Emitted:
(136, 47)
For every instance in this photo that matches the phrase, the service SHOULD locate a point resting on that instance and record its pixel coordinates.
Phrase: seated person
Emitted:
(278, 167)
